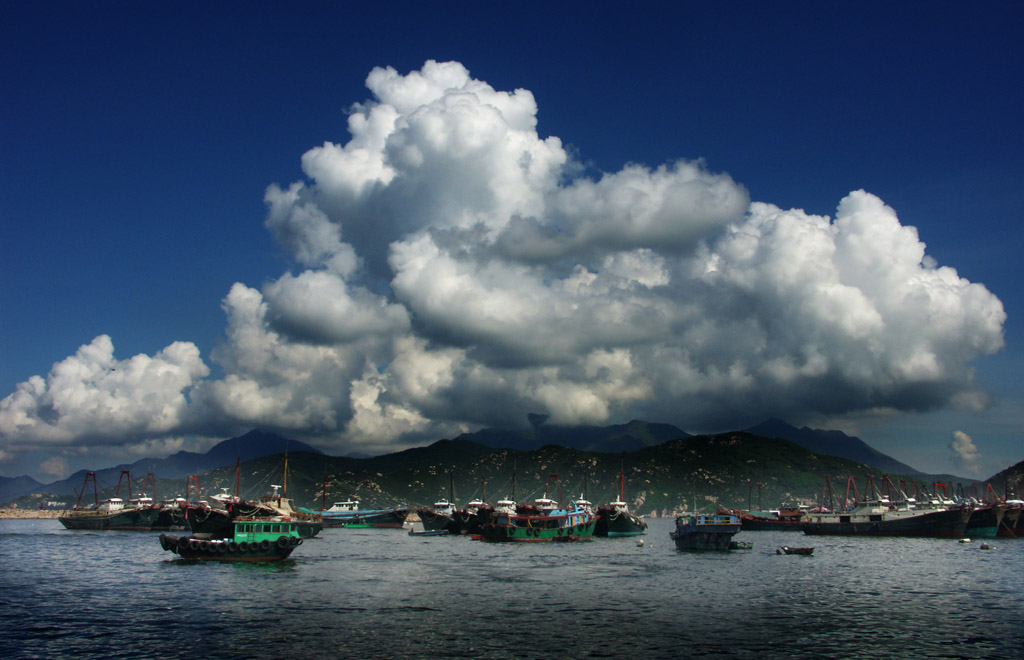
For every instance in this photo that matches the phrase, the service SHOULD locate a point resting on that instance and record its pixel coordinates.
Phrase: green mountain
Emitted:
(701, 471)
(618, 437)
(1009, 482)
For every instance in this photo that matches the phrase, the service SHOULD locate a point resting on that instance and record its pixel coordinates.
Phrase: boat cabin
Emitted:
(255, 530)
(444, 507)
(349, 505)
(505, 506)
(113, 504)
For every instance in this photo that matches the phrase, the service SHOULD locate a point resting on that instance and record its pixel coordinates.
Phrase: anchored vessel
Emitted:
(140, 514)
(877, 515)
(269, 538)
(615, 519)
(705, 532)
(348, 514)
(543, 522)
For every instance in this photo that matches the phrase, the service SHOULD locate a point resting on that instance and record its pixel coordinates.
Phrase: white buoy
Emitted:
(640, 543)
(986, 546)
(965, 540)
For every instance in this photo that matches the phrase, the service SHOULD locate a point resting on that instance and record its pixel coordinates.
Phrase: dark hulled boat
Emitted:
(112, 514)
(876, 515)
(783, 520)
(880, 518)
(253, 539)
(439, 518)
(348, 514)
(705, 532)
(543, 521)
(615, 518)
(985, 521)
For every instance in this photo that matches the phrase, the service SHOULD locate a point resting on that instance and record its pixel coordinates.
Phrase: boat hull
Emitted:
(136, 520)
(1012, 524)
(985, 521)
(170, 519)
(377, 519)
(613, 523)
(755, 524)
(437, 522)
(949, 524)
(191, 547)
(500, 532)
(705, 532)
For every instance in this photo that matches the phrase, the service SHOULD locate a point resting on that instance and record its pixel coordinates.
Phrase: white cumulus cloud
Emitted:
(966, 455)
(455, 269)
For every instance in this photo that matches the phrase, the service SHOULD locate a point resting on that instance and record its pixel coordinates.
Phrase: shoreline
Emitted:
(30, 514)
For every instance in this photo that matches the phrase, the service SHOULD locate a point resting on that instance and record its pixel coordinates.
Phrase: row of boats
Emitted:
(228, 528)
(890, 511)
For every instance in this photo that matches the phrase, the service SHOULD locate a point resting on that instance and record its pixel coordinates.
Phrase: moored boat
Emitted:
(307, 523)
(255, 539)
(111, 514)
(615, 518)
(782, 520)
(439, 518)
(787, 550)
(705, 532)
(544, 521)
(876, 515)
(348, 514)
(985, 521)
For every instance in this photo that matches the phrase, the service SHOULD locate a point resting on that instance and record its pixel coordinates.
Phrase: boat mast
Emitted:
(189, 480)
(284, 488)
(95, 489)
(117, 490)
(238, 473)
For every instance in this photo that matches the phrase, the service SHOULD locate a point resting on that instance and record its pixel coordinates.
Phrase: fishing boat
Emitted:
(428, 532)
(986, 520)
(615, 518)
(543, 521)
(476, 513)
(705, 532)
(877, 515)
(307, 523)
(786, 550)
(264, 538)
(110, 514)
(214, 517)
(442, 516)
(348, 514)
(439, 518)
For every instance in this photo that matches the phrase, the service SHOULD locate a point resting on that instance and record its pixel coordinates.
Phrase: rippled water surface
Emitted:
(384, 594)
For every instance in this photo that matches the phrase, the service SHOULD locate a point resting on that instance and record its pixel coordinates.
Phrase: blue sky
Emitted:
(139, 142)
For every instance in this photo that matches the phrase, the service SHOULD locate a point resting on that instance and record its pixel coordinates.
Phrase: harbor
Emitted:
(382, 593)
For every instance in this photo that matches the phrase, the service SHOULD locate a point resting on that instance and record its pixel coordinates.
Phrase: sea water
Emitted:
(365, 593)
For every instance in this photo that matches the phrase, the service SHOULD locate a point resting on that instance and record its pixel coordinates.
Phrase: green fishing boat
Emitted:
(270, 538)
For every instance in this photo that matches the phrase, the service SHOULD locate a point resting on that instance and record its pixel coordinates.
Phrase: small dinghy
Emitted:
(429, 532)
(786, 550)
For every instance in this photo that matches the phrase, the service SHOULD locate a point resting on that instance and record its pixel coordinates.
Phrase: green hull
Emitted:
(527, 534)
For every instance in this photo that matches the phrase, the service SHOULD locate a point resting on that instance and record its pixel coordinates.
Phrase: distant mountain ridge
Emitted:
(607, 439)
(12, 487)
(635, 436)
(832, 443)
(252, 445)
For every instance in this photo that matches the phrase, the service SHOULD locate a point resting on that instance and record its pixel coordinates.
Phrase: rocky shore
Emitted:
(30, 514)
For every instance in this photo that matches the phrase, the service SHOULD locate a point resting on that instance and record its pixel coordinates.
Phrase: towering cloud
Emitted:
(457, 270)
(966, 455)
